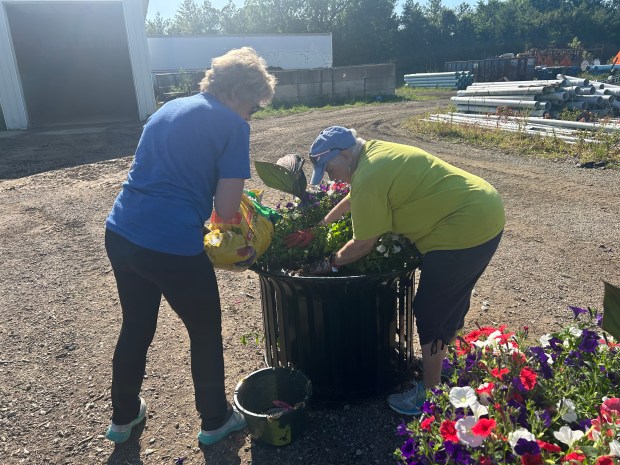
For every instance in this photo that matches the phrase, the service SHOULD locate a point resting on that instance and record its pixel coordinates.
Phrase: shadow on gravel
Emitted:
(24, 153)
(339, 434)
(129, 451)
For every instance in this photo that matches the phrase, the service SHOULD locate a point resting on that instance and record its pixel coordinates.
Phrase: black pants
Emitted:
(190, 287)
(447, 279)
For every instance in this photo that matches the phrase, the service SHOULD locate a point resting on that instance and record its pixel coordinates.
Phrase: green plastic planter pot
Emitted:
(351, 335)
(273, 402)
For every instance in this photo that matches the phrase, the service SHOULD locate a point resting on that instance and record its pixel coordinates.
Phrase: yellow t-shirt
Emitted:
(405, 190)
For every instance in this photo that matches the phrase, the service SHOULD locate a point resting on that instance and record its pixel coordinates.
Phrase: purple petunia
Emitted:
(524, 446)
(545, 416)
(577, 311)
(402, 429)
(589, 341)
(409, 448)
(545, 370)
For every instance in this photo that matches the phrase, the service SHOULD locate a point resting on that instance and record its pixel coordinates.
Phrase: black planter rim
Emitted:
(332, 277)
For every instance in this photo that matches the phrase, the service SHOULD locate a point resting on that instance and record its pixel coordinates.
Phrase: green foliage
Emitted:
(391, 253)
(512, 401)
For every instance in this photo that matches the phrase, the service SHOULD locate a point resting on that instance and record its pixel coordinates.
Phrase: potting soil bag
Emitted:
(235, 246)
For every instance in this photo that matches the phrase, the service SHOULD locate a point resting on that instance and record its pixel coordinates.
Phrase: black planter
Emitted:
(351, 335)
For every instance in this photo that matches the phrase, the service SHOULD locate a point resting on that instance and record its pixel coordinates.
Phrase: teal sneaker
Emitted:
(408, 402)
(236, 422)
(120, 433)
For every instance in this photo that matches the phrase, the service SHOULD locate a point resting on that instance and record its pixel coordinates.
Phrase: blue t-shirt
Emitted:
(186, 147)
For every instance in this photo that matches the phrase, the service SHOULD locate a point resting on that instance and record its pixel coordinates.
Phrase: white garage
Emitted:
(74, 62)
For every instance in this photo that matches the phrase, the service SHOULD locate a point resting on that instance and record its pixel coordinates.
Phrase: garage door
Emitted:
(73, 61)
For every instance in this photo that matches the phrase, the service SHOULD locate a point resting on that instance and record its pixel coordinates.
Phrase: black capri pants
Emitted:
(447, 279)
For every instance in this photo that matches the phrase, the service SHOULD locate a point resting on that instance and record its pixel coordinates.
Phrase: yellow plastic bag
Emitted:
(237, 245)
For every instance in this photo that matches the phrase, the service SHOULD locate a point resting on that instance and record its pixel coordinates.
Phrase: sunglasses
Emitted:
(317, 157)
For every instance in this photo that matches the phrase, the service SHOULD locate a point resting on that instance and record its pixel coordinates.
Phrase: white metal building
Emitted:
(74, 62)
(286, 51)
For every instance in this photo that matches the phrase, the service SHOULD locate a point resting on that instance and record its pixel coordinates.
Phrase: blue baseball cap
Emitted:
(326, 147)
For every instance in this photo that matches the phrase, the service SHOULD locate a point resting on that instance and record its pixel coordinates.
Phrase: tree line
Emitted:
(418, 38)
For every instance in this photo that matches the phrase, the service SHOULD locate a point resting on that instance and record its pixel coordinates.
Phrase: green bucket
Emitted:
(273, 402)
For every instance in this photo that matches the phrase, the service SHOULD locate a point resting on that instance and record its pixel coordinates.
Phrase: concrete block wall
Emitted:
(343, 82)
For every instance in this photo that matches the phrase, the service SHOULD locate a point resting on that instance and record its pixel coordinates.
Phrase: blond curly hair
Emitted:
(242, 74)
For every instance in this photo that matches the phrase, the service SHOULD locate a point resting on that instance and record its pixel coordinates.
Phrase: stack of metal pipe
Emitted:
(450, 80)
(540, 97)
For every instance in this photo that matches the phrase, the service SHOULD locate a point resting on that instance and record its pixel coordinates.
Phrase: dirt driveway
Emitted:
(59, 313)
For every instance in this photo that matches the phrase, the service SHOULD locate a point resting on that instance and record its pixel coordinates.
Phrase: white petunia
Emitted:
(463, 432)
(568, 436)
(478, 409)
(544, 340)
(614, 448)
(519, 433)
(566, 408)
(462, 397)
(576, 332)
(386, 254)
(395, 248)
(381, 248)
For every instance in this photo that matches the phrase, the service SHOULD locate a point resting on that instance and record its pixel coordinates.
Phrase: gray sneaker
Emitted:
(408, 402)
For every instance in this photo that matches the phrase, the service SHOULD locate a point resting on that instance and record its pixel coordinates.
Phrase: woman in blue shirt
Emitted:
(193, 156)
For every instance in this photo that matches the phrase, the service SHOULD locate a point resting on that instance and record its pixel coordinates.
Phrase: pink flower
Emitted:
(610, 410)
(605, 460)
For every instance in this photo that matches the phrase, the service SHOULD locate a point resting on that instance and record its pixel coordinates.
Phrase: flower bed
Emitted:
(508, 402)
(392, 253)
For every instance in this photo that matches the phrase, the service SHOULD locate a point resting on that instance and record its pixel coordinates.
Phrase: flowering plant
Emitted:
(392, 252)
(554, 402)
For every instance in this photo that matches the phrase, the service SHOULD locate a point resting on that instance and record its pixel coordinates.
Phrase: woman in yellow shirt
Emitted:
(455, 218)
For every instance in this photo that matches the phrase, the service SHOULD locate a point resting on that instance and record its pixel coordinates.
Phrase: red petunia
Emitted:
(531, 459)
(610, 410)
(483, 427)
(528, 378)
(504, 338)
(448, 431)
(499, 373)
(574, 457)
(485, 461)
(548, 446)
(605, 460)
(426, 423)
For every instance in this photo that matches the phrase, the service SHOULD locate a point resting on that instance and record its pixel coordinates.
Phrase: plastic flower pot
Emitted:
(273, 402)
(351, 335)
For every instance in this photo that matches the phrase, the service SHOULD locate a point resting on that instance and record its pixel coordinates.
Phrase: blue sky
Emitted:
(168, 8)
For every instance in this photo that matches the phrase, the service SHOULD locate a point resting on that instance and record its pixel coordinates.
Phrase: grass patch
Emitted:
(402, 94)
(606, 150)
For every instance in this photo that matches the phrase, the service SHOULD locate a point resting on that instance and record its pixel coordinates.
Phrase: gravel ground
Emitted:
(59, 313)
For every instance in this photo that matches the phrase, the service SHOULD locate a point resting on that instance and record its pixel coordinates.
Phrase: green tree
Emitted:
(158, 26)
(191, 18)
